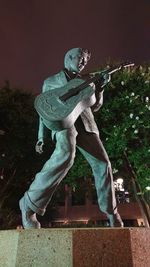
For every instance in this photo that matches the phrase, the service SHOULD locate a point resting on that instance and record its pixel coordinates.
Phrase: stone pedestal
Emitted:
(88, 247)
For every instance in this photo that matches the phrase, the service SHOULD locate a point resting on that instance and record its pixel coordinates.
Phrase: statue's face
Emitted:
(76, 59)
(78, 62)
(83, 60)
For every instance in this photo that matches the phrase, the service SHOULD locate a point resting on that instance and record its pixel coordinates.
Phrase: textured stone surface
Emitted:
(102, 248)
(44, 248)
(140, 244)
(93, 247)
(8, 248)
(111, 247)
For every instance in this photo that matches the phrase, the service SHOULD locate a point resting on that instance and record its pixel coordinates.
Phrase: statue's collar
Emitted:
(70, 75)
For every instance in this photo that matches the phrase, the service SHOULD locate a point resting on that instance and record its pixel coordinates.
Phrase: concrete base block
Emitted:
(85, 247)
(8, 248)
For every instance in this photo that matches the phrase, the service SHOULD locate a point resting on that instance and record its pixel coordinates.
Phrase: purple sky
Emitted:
(35, 34)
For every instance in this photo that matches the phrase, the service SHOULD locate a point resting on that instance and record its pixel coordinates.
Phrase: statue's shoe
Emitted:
(29, 219)
(115, 220)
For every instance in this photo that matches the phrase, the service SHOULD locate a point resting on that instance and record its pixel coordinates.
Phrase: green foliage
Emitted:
(79, 169)
(124, 121)
(18, 160)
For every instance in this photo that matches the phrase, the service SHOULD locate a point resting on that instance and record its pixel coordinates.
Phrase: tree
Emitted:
(124, 121)
(18, 160)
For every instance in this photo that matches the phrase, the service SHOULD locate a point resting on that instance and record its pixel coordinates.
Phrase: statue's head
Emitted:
(76, 59)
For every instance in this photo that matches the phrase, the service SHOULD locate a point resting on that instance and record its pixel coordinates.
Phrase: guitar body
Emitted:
(57, 114)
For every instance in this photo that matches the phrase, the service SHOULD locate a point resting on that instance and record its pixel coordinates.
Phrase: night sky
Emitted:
(35, 34)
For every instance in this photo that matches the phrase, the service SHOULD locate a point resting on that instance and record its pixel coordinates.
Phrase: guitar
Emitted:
(59, 108)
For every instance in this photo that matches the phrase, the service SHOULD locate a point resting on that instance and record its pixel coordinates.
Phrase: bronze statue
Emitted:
(81, 133)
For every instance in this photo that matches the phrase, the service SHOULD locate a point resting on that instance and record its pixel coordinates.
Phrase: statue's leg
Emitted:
(93, 150)
(53, 171)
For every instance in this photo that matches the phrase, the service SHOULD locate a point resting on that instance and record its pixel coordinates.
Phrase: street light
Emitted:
(122, 196)
(147, 188)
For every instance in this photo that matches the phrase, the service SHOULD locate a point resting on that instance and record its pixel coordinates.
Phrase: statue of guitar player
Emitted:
(84, 135)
